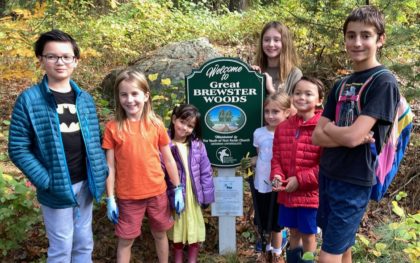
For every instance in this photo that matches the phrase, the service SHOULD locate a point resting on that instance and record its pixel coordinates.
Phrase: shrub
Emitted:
(18, 211)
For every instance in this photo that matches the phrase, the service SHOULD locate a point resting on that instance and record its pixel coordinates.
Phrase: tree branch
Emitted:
(399, 189)
(310, 22)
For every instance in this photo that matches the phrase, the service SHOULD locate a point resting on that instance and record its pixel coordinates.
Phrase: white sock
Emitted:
(268, 247)
(276, 251)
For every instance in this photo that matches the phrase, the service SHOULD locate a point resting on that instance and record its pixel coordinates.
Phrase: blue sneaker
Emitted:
(283, 239)
(258, 246)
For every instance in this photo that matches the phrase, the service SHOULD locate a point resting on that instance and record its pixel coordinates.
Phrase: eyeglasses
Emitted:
(54, 59)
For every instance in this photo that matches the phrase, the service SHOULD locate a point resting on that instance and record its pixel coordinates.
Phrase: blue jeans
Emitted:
(69, 230)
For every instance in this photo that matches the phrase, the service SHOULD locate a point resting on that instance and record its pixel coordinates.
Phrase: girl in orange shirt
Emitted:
(133, 142)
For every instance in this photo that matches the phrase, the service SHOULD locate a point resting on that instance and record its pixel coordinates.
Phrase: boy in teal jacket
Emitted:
(54, 140)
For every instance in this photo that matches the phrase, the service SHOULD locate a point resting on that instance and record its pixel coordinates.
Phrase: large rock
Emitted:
(173, 61)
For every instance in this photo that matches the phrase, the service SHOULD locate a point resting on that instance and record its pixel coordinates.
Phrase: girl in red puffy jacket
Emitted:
(294, 169)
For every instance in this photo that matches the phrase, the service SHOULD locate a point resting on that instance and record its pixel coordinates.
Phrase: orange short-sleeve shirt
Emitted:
(138, 171)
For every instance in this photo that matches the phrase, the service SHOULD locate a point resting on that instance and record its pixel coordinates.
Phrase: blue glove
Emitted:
(179, 199)
(112, 209)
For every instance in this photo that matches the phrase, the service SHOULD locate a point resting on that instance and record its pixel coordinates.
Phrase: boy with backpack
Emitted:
(353, 123)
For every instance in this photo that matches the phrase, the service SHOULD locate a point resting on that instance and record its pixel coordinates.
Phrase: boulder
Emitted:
(173, 61)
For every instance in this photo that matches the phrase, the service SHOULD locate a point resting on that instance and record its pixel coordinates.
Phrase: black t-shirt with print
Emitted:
(356, 165)
(71, 135)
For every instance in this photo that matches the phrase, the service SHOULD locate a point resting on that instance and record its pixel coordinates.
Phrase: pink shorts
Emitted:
(132, 212)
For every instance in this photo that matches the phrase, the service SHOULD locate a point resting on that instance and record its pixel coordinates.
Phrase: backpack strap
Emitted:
(338, 91)
(341, 85)
(372, 78)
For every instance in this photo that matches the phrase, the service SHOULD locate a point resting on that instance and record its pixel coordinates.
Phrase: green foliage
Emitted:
(114, 33)
(396, 241)
(166, 98)
(17, 211)
(125, 31)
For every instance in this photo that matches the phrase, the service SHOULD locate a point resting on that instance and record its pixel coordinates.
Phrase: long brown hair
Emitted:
(138, 80)
(288, 58)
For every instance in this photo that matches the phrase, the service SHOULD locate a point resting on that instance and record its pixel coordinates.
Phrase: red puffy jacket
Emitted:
(295, 155)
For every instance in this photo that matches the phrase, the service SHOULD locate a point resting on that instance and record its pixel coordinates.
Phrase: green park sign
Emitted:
(229, 96)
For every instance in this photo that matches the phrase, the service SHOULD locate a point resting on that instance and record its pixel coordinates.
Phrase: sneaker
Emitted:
(284, 241)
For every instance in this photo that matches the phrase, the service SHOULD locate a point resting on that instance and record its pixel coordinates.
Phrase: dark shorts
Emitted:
(341, 209)
(301, 218)
(267, 209)
(132, 212)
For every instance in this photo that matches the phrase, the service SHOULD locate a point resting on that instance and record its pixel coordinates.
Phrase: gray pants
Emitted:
(69, 230)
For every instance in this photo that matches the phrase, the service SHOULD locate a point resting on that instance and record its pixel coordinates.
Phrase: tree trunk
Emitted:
(2, 7)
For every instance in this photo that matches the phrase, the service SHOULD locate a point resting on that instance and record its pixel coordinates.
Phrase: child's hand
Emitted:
(256, 68)
(246, 163)
(179, 199)
(276, 184)
(368, 138)
(246, 169)
(269, 83)
(112, 209)
(292, 184)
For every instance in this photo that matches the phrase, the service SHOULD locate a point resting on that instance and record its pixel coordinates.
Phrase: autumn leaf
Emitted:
(90, 53)
(113, 4)
(166, 82)
(158, 97)
(153, 77)
(397, 210)
(363, 239)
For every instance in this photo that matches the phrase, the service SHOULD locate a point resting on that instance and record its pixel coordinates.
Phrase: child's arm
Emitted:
(320, 138)
(21, 146)
(172, 171)
(269, 83)
(170, 164)
(354, 135)
(277, 174)
(110, 181)
(111, 204)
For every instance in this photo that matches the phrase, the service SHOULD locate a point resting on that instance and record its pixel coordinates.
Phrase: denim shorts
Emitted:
(301, 218)
(341, 209)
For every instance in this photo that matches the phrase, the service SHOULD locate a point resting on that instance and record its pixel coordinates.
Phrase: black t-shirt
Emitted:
(356, 165)
(71, 135)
